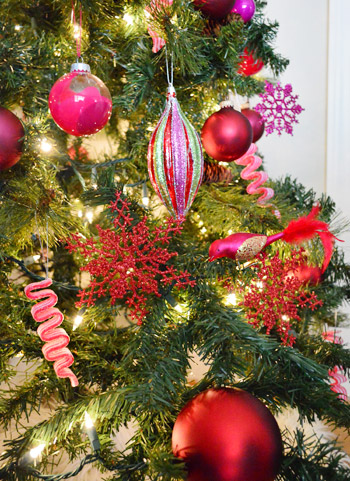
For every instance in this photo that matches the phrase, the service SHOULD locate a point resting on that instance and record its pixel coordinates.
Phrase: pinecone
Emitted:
(216, 173)
(213, 27)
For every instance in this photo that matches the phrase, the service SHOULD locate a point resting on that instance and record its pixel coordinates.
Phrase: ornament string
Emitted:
(78, 34)
(45, 256)
(170, 77)
(56, 339)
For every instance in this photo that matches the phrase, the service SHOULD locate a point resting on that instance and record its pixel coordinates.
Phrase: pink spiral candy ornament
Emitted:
(336, 373)
(253, 162)
(56, 339)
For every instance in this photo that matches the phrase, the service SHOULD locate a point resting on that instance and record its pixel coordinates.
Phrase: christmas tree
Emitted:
(136, 242)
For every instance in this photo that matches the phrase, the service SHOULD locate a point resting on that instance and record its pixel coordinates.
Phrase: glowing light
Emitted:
(179, 308)
(128, 19)
(88, 421)
(231, 299)
(45, 145)
(89, 216)
(18, 27)
(77, 321)
(230, 232)
(76, 31)
(80, 213)
(36, 257)
(35, 452)
(259, 285)
(203, 230)
(285, 318)
(145, 201)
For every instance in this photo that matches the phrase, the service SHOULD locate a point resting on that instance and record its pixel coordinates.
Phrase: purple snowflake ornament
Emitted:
(279, 108)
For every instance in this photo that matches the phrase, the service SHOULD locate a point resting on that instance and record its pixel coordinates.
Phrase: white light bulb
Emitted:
(45, 145)
(285, 318)
(179, 308)
(231, 299)
(36, 257)
(35, 452)
(76, 31)
(145, 201)
(88, 421)
(128, 19)
(80, 213)
(18, 27)
(89, 216)
(77, 321)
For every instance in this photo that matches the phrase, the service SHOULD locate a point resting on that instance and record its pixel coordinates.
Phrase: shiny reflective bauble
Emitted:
(249, 64)
(244, 8)
(226, 135)
(256, 121)
(11, 139)
(227, 435)
(80, 103)
(215, 9)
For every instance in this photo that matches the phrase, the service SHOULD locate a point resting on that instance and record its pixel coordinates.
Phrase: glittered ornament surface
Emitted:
(80, 103)
(175, 159)
(279, 108)
(244, 8)
(227, 435)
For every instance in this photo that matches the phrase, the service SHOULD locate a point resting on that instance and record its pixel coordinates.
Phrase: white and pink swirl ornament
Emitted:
(252, 163)
(56, 338)
(175, 159)
(336, 373)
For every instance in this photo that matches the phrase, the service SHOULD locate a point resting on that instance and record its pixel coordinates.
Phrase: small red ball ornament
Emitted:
(249, 64)
(226, 135)
(215, 9)
(227, 435)
(256, 121)
(11, 139)
(79, 102)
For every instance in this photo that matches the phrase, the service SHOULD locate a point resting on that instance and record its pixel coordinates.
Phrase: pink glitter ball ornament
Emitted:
(79, 102)
(279, 108)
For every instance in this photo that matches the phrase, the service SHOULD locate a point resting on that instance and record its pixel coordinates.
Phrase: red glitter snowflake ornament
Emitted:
(279, 108)
(274, 299)
(128, 263)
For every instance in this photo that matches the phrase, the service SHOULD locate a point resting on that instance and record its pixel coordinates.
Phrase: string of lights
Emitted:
(25, 463)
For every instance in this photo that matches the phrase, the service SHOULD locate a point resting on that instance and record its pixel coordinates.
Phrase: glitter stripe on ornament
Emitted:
(56, 339)
(175, 159)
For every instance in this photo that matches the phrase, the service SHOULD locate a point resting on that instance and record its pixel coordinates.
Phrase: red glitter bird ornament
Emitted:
(243, 246)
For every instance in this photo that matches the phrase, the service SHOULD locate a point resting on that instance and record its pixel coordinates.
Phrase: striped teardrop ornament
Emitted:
(175, 158)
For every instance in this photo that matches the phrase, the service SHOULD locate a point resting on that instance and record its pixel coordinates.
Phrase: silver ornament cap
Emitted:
(80, 67)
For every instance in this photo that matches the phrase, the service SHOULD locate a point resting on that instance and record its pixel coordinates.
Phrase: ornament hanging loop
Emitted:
(77, 29)
(170, 76)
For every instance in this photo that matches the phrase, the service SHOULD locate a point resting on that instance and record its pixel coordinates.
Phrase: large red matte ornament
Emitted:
(227, 135)
(11, 139)
(79, 102)
(227, 435)
(249, 64)
(256, 121)
(215, 9)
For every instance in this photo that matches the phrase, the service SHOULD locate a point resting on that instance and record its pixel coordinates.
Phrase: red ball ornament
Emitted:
(79, 102)
(215, 9)
(227, 435)
(226, 135)
(11, 139)
(256, 121)
(249, 64)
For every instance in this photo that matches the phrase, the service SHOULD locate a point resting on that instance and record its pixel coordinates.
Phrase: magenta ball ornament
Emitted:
(227, 435)
(79, 102)
(244, 8)
(11, 139)
(256, 121)
(214, 9)
(226, 135)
